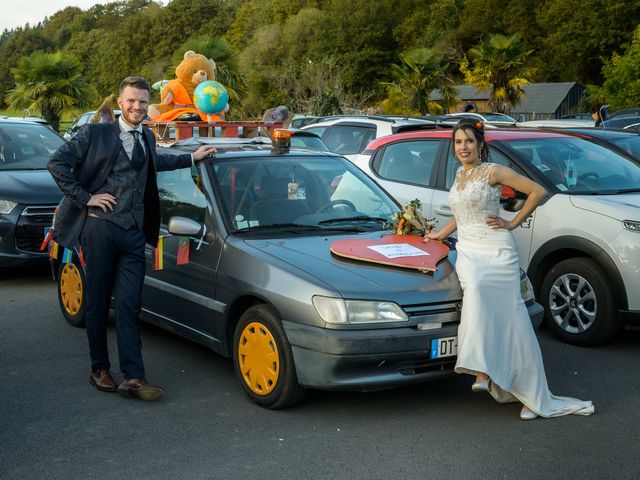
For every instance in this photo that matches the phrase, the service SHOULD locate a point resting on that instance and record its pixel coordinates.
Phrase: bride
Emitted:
(496, 341)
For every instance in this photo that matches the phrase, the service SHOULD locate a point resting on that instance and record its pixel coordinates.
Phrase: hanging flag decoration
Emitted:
(81, 257)
(183, 251)
(53, 251)
(48, 231)
(67, 256)
(159, 260)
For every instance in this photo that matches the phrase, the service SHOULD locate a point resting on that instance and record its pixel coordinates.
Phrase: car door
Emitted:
(184, 295)
(407, 170)
(443, 213)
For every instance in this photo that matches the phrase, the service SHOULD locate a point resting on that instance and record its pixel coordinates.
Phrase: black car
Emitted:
(624, 141)
(626, 122)
(28, 194)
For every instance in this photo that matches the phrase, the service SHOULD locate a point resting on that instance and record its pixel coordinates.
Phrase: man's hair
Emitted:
(135, 82)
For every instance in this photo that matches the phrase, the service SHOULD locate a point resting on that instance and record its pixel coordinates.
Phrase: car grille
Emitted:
(30, 227)
(448, 312)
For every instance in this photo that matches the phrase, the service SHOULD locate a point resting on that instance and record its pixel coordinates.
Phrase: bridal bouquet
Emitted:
(410, 221)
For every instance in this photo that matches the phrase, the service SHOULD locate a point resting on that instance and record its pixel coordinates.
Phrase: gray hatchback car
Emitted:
(262, 286)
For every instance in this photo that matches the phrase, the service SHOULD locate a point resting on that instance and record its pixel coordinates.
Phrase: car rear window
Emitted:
(26, 146)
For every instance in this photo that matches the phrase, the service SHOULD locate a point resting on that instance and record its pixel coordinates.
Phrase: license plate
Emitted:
(444, 347)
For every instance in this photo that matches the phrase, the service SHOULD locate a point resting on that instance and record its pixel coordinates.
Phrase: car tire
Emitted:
(579, 303)
(263, 359)
(71, 292)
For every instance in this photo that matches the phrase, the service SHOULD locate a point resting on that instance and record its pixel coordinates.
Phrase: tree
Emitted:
(50, 83)
(500, 63)
(622, 76)
(422, 70)
(581, 34)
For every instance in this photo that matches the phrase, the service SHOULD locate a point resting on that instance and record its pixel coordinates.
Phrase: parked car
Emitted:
(28, 194)
(263, 287)
(490, 118)
(623, 121)
(307, 140)
(349, 135)
(577, 116)
(625, 141)
(558, 123)
(83, 120)
(579, 248)
(626, 112)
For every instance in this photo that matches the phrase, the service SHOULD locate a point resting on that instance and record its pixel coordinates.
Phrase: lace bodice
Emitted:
(472, 198)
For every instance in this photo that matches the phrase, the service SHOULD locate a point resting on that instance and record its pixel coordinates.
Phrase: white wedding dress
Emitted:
(495, 334)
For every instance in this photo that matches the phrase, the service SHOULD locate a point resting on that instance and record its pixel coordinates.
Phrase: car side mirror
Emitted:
(184, 226)
(511, 200)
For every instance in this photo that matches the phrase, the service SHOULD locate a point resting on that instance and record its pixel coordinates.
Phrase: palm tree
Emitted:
(52, 84)
(227, 63)
(500, 63)
(422, 70)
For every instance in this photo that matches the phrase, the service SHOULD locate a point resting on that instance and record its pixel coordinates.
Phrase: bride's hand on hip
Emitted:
(495, 221)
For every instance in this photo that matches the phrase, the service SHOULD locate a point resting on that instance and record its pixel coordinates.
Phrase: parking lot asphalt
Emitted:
(54, 425)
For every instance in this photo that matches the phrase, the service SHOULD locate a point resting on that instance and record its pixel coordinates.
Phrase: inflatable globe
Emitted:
(210, 97)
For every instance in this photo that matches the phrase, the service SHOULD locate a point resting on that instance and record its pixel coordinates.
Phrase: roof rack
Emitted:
(180, 129)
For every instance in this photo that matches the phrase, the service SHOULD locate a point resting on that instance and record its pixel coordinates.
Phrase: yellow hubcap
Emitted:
(71, 288)
(258, 358)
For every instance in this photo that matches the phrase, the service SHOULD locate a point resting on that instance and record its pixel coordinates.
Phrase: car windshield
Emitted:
(26, 146)
(310, 142)
(578, 166)
(299, 192)
(498, 117)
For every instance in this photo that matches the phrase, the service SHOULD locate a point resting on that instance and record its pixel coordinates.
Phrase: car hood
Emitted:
(30, 187)
(362, 280)
(621, 207)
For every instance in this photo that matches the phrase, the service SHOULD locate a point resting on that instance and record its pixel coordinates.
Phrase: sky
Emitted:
(16, 13)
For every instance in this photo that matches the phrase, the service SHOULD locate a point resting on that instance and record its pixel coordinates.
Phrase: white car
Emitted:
(349, 135)
(489, 118)
(580, 248)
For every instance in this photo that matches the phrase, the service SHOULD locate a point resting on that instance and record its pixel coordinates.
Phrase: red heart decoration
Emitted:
(359, 249)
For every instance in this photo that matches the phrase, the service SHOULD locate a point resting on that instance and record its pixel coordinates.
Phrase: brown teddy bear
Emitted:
(177, 95)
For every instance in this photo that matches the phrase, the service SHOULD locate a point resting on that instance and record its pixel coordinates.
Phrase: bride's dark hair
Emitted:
(476, 127)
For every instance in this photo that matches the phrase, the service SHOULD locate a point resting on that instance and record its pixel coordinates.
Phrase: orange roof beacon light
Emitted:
(281, 140)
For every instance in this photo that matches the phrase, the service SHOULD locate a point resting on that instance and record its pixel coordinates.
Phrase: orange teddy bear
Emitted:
(177, 95)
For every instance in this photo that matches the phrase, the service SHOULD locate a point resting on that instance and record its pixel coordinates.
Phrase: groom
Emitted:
(107, 173)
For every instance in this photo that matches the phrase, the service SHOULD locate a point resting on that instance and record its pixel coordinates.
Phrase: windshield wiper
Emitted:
(277, 226)
(356, 218)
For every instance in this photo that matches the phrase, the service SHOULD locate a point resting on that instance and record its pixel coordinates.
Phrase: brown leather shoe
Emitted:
(140, 388)
(103, 381)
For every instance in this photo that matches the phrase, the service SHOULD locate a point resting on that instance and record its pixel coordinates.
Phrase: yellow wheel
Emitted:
(263, 359)
(258, 358)
(71, 293)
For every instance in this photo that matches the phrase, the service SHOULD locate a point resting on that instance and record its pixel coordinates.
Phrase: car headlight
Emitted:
(339, 311)
(526, 289)
(6, 206)
(631, 225)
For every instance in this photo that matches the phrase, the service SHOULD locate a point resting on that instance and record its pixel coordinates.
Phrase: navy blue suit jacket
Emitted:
(81, 166)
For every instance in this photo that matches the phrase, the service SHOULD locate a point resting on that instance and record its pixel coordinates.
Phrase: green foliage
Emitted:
(422, 70)
(49, 83)
(271, 42)
(622, 76)
(582, 34)
(500, 64)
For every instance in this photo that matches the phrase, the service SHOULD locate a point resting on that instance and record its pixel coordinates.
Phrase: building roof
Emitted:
(540, 97)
